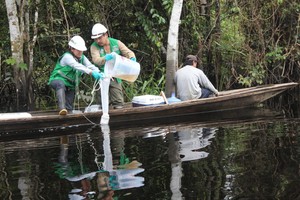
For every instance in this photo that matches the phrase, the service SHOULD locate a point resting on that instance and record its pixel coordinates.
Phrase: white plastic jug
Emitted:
(122, 67)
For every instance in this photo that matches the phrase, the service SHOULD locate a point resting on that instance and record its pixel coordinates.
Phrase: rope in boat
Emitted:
(96, 87)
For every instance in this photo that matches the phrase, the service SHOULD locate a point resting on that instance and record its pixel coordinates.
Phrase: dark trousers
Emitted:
(64, 95)
(115, 93)
(205, 93)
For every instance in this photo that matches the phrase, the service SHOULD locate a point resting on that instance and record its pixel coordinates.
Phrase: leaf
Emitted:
(10, 61)
(23, 66)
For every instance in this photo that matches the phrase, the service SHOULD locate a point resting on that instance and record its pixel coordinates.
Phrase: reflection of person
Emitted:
(107, 195)
(82, 188)
(104, 188)
(191, 82)
(101, 183)
(65, 76)
(79, 178)
(101, 50)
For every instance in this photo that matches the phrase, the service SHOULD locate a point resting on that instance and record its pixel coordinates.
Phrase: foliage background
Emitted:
(240, 43)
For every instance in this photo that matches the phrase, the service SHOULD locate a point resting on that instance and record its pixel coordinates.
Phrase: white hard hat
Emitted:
(98, 30)
(77, 43)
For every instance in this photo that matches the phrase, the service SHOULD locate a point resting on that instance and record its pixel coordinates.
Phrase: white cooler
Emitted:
(147, 100)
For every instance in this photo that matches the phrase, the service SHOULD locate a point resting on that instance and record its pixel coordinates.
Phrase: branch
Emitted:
(65, 16)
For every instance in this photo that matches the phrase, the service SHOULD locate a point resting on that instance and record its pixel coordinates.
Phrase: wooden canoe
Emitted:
(36, 139)
(227, 100)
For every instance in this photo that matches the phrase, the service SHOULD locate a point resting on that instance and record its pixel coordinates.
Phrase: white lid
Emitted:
(148, 99)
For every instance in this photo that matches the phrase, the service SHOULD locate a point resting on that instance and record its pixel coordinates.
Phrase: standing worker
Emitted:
(191, 82)
(67, 72)
(101, 50)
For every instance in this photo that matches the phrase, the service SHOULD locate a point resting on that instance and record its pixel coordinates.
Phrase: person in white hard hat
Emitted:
(101, 50)
(67, 72)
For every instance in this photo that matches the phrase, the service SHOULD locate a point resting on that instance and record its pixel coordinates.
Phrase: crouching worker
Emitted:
(67, 72)
(191, 82)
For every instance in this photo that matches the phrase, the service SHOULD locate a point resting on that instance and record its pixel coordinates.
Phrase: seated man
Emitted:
(191, 82)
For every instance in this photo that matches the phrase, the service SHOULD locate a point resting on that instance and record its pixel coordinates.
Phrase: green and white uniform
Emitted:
(66, 75)
(115, 87)
(68, 69)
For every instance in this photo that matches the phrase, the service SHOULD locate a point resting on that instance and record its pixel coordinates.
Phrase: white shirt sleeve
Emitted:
(87, 67)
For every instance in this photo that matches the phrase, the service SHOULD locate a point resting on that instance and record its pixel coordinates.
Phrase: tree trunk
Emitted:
(22, 50)
(30, 48)
(16, 36)
(172, 48)
(208, 42)
(218, 54)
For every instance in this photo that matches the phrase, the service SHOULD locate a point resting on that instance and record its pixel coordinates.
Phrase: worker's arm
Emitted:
(125, 51)
(97, 60)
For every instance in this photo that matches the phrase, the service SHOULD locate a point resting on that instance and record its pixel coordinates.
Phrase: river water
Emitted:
(250, 157)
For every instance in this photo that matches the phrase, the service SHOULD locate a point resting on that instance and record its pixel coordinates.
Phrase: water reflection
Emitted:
(250, 160)
(107, 178)
(26, 180)
(185, 145)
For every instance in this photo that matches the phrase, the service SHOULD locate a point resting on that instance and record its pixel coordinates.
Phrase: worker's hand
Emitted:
(97, 75)
(108, 56)
(133, 59)
(217, 94)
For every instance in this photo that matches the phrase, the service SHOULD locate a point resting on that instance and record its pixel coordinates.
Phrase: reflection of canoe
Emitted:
(51, 137)
(227, 100)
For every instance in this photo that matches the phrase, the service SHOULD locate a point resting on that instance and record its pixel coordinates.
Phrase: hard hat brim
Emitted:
(82, 49)
(96, 36)
(78, 48)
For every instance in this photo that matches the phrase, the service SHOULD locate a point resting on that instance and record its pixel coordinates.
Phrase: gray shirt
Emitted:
(189, 81)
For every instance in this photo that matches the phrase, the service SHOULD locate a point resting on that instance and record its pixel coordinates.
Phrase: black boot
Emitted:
(60, 94)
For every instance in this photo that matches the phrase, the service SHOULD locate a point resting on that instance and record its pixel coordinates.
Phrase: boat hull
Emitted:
(227, 100)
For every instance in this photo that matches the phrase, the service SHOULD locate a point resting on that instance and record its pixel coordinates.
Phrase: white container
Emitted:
(20, 115)
(122, 67)
(93, 108)
(147, 100)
